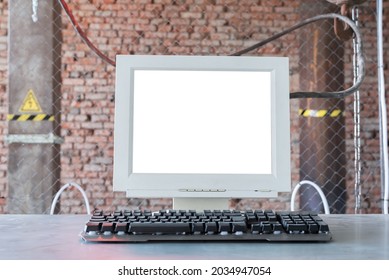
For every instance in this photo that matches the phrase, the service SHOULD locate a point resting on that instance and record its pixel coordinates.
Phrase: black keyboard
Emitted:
(216, 225)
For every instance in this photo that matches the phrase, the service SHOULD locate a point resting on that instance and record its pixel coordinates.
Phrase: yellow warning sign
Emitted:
(30, 103)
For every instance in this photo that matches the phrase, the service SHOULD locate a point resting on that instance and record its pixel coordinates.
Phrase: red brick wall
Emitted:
(196, 27)
(140, 27)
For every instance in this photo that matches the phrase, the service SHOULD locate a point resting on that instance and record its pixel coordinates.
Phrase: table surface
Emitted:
(47, 237)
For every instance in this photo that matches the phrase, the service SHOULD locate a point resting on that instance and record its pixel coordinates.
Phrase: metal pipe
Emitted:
(382, 110)
(34, 15)
(357, 124)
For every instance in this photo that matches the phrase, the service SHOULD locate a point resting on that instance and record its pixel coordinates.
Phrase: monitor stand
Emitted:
(201, 203)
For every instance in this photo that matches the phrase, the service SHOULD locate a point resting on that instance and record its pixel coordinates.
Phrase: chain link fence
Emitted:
(335, 141)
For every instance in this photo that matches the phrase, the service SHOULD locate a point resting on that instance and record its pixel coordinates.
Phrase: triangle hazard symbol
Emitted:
(30, 103)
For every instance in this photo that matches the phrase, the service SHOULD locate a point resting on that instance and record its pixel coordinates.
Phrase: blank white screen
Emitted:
(202, 122)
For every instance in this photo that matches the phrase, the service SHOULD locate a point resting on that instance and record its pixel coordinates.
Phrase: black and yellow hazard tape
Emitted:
(30, 117)
(320, 113)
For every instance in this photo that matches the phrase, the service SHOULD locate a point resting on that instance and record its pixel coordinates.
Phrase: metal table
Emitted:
(56, 237)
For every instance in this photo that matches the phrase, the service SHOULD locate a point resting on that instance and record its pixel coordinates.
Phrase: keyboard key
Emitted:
(211, 227)
(92, 226)
(296, 227)
(238, 219)
(238, 227)
(224, 227)
(323, 227)
(277, 226)
(159, 228)
(198, 227)
(107, 227)
(313, 227)
(266, 227)
(121, 227)
(256, 228)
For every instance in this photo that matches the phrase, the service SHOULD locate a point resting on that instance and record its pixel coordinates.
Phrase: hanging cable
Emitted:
(83, 35)
(300, 94)
(360, 59)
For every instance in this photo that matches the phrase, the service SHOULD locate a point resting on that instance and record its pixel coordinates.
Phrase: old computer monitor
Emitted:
(201, 128)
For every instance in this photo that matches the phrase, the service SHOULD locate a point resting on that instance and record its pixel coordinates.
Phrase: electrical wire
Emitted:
(324, 94)
(83, 35)
(299, 94)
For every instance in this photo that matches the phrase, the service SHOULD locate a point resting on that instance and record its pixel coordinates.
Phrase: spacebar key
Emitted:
(159, 228)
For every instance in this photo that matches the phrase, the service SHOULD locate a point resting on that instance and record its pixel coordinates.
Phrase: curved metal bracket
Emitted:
(64, 187)
(317, 188)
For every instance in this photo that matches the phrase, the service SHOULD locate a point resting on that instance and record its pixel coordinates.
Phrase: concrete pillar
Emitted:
(322, 138)
(34, 105)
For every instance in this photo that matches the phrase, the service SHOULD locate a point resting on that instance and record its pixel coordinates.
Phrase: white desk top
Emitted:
(45, 237)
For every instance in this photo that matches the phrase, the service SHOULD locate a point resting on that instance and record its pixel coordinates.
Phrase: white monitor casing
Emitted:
(201, 126)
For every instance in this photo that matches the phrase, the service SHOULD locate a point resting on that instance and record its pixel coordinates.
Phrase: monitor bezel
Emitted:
(201, 185)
